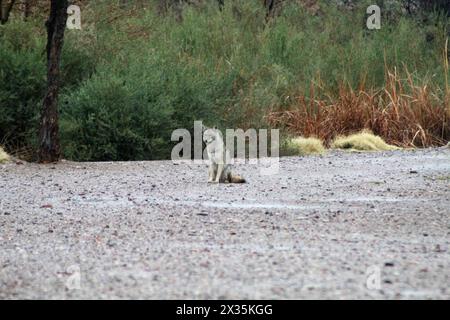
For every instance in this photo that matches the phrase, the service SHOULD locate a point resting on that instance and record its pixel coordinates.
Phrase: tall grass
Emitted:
(403, 113)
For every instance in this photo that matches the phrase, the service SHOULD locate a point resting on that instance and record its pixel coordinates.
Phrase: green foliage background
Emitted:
(130, 76)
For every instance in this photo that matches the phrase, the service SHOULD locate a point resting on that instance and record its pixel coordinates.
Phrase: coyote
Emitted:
(219, 158)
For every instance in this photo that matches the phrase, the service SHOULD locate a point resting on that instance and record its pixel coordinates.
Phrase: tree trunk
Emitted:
(273, 8)
(221, 4)
(49, 149)
(175, 5)
(26, 9)
(270, 6)
(5, 10)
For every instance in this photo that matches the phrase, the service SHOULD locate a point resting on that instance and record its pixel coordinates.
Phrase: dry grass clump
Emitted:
(301, 146)
(402, 113)
(3, 156)
(362, 141)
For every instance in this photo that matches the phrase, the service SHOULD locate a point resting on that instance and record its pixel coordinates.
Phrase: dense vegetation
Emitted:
(132, 75)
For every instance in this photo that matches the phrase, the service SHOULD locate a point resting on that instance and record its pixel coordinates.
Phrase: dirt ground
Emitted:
(343, 225)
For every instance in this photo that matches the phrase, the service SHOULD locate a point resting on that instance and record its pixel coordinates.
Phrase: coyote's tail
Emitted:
(235, 178)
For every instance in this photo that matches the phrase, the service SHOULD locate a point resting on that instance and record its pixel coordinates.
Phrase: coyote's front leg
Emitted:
(219, 172)
(212, 172)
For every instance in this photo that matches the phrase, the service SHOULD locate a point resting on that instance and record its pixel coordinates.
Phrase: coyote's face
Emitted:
(210, 135)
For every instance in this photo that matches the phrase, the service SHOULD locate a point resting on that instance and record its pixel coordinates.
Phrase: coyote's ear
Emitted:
(215, 127)
(204, 128)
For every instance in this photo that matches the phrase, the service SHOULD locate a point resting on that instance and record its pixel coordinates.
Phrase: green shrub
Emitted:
(129, 113)
(23, 79)
(22, 85)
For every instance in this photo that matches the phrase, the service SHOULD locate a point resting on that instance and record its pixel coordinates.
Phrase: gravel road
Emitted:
(343, 225)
